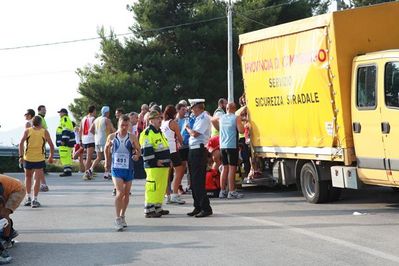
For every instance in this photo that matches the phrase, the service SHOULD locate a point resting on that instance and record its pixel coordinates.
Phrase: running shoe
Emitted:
(5, 258)
(167, 199)
(114, 192)
(124, 224)
(35, 204)
(222, 194)
(28, 202)
(44, 188)
(234, 195)
(175, 198)
(118, 224)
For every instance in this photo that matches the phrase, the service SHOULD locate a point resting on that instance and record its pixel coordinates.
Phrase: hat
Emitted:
(153, 114)
(104, 110)
(30, 112)
(193, 102)
(63, 110)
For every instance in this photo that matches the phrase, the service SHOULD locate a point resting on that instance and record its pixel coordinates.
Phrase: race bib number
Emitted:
(121, 160)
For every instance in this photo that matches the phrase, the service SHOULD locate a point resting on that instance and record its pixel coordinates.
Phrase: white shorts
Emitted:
(100, 148)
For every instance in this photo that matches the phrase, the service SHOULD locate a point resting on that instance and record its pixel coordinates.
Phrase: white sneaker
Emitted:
(167, 199)
(175, 198)
(118, 224)
(222, 194)
(124, 224)
(234, 195)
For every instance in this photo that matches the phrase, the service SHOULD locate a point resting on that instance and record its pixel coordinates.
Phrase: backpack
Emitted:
(212, 183)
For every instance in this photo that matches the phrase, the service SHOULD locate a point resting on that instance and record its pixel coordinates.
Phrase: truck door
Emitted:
(366, 125)
(390, 118)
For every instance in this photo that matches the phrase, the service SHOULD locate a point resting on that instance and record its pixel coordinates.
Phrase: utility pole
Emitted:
(340, 5)
(230, 84)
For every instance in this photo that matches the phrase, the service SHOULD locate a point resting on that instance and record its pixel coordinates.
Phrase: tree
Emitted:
(179, 51)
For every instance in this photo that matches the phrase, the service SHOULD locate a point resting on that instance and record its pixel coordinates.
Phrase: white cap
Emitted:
(195, 101)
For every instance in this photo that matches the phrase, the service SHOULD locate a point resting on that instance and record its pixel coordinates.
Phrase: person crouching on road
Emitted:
(121, 148)
(32, 157)
(12, 192)
(156, 155)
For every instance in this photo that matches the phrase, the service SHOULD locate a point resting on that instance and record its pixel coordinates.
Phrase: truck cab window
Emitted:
(391, 84)
(366, 87)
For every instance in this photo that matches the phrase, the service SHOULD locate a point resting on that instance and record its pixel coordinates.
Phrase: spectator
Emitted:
(41, 111)
(171, 130)
(183, 118)
(78, 149)
(87, 140)
(144, 110)
(101, 128)
(30, 113)
(33, 158)
(229, 124)
(221, 110)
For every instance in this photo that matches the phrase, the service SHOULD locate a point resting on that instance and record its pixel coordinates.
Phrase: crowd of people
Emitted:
(161, 146)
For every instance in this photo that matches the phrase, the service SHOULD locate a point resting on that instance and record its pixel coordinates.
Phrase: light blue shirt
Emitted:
(228, 131)
(202, 125)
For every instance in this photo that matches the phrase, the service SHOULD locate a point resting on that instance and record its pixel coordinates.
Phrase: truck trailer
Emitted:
(323, 100)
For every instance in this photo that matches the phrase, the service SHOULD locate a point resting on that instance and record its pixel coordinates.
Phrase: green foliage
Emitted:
(10, 165)
(358, 3)
(166, 64)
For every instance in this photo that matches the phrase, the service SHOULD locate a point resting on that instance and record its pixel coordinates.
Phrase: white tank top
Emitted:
(170, 135)
(87, 137)
(101, 133)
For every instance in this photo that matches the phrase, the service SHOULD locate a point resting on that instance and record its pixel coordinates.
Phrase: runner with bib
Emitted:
(121, 149)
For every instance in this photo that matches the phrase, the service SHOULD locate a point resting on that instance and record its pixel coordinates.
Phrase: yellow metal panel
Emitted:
(287, 90)
(270, 84)
(354, 32)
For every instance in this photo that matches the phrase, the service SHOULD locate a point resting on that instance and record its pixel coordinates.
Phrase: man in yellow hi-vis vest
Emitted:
(156, 155)
(65, 140)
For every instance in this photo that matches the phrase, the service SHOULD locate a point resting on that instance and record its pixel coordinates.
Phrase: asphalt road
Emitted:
(74, 226)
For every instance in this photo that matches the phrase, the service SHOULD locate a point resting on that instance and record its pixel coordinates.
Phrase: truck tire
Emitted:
(313, 189)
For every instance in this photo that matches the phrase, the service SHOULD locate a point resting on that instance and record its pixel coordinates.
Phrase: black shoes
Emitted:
(194, 212)
(203, 214)
(66, 174)
(164, 212)
(153, 215)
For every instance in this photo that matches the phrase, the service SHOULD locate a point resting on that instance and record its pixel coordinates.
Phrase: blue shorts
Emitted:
(34, 165)
(125, 174)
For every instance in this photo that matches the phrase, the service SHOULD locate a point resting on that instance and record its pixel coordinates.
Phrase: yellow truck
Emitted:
(323, 100)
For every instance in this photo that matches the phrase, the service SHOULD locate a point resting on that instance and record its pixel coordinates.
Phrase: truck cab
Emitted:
(375, 117)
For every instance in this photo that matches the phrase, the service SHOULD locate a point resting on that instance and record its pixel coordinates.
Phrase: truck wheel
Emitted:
(313, 189)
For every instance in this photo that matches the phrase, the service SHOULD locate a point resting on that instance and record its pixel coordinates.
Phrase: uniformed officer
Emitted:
(197, 157)
(65, 140)
(156, 155)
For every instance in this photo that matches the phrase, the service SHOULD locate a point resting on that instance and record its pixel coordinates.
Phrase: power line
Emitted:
(269, 7)
(117, 35)
(260, 23)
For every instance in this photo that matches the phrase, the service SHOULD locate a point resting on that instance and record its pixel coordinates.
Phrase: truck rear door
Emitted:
(366, 124)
